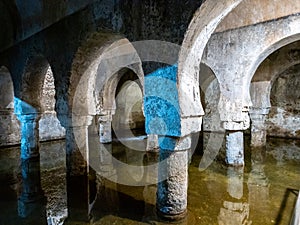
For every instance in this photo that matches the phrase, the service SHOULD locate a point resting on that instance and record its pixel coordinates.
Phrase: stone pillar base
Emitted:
(172, 217)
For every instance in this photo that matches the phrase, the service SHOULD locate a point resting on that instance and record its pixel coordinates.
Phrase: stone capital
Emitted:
(27, 118)
(174, 143)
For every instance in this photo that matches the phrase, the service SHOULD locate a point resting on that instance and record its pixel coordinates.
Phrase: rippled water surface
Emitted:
(263, 192)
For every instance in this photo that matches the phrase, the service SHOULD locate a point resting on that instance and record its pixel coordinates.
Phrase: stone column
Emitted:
(258, 127)
(173, 177)
(77, 160)
(105, 128)
(29, 135)
(235, 148)
(234, 138)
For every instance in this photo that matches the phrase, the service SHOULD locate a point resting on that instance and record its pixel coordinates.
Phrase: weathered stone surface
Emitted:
(49, 126)
(161, 103)
(129, 107)
(235, 148)
(284, 119)
(172, 190)
(203, 24)
(235, 63)
(245, 14)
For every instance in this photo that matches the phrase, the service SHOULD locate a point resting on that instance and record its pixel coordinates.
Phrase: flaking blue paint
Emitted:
(27, 115)
(161, 105)
(23, 108)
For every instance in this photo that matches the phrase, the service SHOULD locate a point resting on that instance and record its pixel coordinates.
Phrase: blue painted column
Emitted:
(31, 202)
(29, 135)
(162, 117)
(173, 177)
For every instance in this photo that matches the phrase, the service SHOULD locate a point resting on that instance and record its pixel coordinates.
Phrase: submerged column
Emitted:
(173, 177)
(235, 148)
(258, 128)
(77, 160)
(105, 128)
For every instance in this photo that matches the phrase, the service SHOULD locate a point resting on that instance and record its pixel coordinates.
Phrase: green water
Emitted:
(263, 192)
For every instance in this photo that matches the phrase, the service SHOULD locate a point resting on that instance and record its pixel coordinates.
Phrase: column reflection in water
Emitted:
(235, 210)
(79, 175)
(107, 178)
(259, 185)
(31, 202)
(150, 188)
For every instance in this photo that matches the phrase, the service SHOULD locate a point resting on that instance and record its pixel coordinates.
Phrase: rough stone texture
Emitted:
(272, 77)
(93, 84)
(200, 30)
(105, 128)
(49, 126)
(235, 148)
(22, 19)
(9, 126)
(284, 118)
(152, 143)
(129, 101)
(281, 153)
(9, 129)
(211, 119)
(235, 63)
(161, 103)
(258, 129)
(233, 56)
(29, 136)
(172, 191)
(246, 15)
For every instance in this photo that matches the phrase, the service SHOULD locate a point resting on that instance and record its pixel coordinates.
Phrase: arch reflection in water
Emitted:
(235, 210)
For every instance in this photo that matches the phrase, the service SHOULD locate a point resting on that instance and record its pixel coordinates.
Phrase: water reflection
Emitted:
(256, 193)
(259, 185)
(32, 202)
(235, 210)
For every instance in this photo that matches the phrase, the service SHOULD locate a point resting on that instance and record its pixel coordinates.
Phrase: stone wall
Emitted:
(250, 12)
(9, 125)
(49, 126)
(129, 101)
(284, 116)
